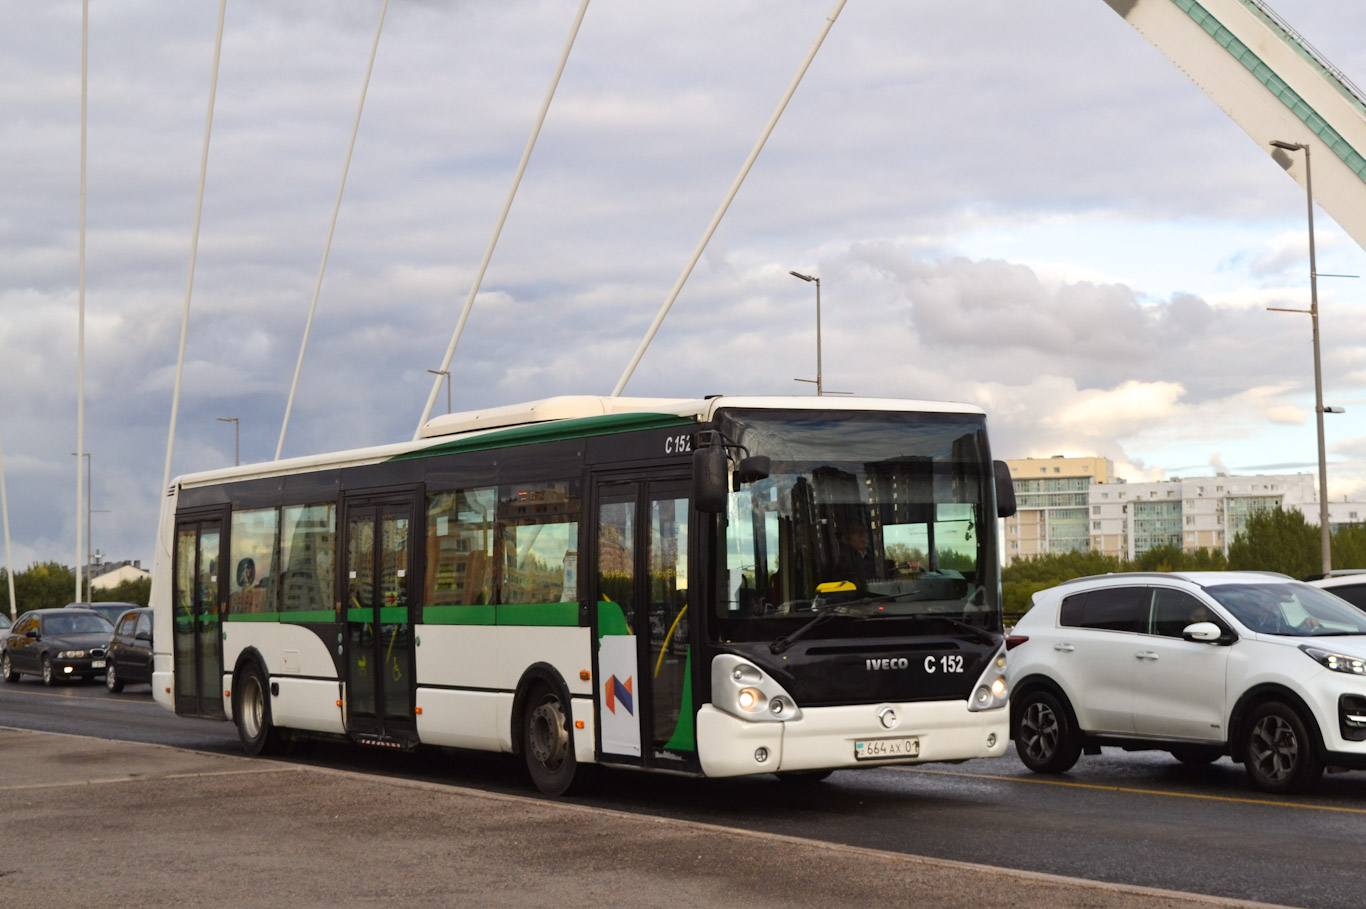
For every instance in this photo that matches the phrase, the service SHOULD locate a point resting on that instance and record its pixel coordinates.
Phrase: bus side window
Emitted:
(460, 538)
(539, 536)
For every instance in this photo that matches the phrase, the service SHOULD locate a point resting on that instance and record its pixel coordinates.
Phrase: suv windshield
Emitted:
(863, 514)
(1290, 608)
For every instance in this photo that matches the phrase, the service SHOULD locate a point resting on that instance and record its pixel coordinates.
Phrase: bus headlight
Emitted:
(742, 689)
(991, 691)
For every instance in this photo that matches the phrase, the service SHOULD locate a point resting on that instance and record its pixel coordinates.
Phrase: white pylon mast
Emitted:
(80, 318)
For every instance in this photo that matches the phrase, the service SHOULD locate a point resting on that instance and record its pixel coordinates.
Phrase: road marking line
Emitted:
(72, 694)
(1134, 789)
(148, 778)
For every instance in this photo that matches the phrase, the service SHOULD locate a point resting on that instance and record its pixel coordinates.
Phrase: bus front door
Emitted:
(640, 591)
(198, 604)
(378, 639)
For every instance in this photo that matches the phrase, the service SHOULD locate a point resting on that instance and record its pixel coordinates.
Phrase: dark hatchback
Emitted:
(56, 644)
(130, 650)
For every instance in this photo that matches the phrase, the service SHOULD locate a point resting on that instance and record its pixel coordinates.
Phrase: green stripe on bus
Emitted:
(611, 620)
(479, 614)
(563, 615)
(302, 615)
(550, 431)
(388, 615)
(685, 733)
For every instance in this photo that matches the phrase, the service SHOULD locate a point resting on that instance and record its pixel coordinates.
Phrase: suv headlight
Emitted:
(991, 691)
(744, 690)
(71, 654)
(1338, 662)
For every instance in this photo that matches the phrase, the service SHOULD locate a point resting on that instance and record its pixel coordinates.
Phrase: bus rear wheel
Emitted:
(251, 710)
(548, 744)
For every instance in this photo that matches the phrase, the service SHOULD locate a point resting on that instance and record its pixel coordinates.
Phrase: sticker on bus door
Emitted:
(617, 701)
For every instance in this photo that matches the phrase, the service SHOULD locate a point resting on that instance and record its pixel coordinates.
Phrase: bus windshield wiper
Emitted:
(822, 613)
(980, 634)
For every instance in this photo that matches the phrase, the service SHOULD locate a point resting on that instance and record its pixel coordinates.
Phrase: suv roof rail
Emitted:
(1180, 575)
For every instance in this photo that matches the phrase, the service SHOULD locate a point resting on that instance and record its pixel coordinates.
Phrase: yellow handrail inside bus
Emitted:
(659, 664)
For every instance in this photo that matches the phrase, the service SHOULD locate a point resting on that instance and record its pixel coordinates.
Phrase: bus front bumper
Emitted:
(827, 738)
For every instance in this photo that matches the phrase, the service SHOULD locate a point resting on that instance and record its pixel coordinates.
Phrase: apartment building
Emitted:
(1128, 519)
(1053, 497)
(1078, 505)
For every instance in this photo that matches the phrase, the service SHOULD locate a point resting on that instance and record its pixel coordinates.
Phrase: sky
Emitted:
(1018, 204)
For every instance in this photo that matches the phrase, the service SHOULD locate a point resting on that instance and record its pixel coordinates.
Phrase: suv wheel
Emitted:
(1281, 755)
(1044, 735)
(1045, 738)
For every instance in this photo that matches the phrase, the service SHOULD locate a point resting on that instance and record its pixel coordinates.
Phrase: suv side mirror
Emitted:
(1005, 490)
(1204, 632)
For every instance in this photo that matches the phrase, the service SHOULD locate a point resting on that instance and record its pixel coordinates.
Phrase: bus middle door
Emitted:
(639, 590)
(379, 631)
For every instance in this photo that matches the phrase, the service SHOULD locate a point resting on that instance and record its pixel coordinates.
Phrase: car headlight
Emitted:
(1338, 662)
(71, 654)
(744, 690)
(991, 691)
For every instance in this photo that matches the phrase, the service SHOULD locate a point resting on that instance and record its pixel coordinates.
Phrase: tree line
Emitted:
(1276, 540)
(49, 585)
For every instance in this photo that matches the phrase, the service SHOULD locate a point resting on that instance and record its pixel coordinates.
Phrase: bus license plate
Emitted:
(880, 749)
(97, 664)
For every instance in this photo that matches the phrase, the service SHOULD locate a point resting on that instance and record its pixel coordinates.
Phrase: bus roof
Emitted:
(445, 430)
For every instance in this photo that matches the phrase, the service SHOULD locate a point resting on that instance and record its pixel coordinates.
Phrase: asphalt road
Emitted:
(1133, 819)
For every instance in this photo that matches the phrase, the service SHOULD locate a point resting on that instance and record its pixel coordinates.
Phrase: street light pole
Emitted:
(820, 390)
(447, 374)
(236, 438)
(1325, 531)
(86, 556)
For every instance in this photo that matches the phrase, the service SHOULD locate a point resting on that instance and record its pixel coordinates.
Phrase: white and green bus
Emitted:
(716, 587)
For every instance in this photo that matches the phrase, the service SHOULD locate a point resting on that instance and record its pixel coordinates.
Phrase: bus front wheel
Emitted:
(548, 744)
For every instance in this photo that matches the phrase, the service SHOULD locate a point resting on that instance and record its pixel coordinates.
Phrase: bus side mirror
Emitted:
(1005, 490)
(709, 479)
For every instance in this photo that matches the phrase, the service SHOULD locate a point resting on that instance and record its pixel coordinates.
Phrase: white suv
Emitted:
(1258, 666)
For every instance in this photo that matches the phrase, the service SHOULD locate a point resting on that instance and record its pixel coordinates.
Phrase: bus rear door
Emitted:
(197, 598)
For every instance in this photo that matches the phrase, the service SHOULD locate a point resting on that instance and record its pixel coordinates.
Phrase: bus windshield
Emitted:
(868, 514)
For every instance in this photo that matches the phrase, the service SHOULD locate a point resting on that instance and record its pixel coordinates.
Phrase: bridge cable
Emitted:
(730, 196)
(194, 247)
(327, 247)
(442, 373)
